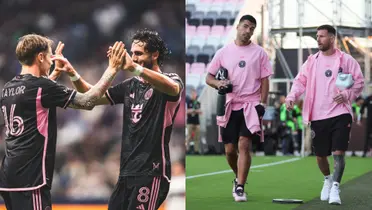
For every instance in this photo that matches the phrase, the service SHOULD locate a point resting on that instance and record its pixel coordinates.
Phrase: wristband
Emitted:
(138, 70)
(75, 78)
(263, 104)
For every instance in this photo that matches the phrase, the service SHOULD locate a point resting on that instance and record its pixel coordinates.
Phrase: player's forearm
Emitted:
(211, 81)
(264, 90)
(190, 111)
(161, 82)
(54, 75)
(89, 98)
(78, 82)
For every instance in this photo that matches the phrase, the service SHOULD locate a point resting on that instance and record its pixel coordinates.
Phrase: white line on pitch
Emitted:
(252, 167)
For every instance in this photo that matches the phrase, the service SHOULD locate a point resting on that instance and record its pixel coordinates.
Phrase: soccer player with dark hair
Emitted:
(249, 68)
(28, 103)
(328, 107)
(151, 100)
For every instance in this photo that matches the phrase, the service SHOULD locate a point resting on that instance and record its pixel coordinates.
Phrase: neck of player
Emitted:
(33, 70)
(329, 52)
(240, 42)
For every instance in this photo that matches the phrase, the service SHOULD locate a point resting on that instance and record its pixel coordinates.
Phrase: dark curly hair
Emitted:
(153, 43)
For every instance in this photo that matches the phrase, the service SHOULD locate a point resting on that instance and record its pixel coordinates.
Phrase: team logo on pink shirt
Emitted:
(328, 73)
(241, 64)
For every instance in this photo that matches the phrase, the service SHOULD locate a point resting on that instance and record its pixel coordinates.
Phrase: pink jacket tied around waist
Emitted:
(252, 120)
(305, 81)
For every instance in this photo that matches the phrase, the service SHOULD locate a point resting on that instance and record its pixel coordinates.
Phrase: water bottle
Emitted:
(221, 100)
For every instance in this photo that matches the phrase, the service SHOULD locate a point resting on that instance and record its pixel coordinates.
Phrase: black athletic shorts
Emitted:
(237, 127)
(139, 193)
(331, 134)
(28, 200)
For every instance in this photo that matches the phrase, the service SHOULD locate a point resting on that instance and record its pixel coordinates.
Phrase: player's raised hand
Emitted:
(58, 52)
(63, 62)
(289, 105)
(59, 67)
(129, 65)
(117, 55)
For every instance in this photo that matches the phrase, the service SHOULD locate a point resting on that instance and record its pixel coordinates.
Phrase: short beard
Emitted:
(325, 48)
(148, 65)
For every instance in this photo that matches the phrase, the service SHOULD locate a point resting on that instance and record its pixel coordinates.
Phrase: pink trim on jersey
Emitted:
(69, 99)
(109, 97)
(42, 125)
(36, 200)
(169, 112)
(154, 193)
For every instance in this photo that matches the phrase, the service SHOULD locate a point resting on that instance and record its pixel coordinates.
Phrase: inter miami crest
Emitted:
(328, 73)
(148, 94)
(242, 64)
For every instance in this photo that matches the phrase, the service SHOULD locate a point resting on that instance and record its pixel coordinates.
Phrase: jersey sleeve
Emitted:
(178, 80)
(56, 95)
(116, 94)
(215, 64)
(266, 68)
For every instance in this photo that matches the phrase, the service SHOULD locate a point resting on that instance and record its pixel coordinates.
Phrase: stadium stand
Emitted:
(207, 24)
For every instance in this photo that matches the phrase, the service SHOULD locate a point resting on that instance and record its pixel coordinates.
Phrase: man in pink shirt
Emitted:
(328, 107)
(248, 69)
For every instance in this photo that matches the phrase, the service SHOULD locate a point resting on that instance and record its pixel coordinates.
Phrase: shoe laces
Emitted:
(336, 188)
(239, 191)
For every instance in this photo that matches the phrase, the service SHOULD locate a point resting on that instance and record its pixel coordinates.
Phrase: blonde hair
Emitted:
(29, 46)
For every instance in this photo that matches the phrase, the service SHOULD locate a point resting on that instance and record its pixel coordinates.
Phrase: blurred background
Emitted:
(286, 29)
(88, 144)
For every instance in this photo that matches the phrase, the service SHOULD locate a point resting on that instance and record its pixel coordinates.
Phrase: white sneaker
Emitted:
(334, 196)
(324, 195)
(235, 182)
(240, 195)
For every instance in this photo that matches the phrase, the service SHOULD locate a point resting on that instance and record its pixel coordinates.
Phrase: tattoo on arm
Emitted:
(88, 100)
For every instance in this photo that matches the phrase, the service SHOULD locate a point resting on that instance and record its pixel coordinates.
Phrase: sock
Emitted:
(339, 167)
(336, 183)
(239, 185)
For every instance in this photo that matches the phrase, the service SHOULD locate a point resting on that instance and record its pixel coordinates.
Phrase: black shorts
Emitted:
(237, 127)
(28, 200)
(331, 134)
(139, 193)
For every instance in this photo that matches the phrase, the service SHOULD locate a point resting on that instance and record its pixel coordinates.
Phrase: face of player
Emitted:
(194, 95)
(245, 30)
(44, 60)
(142, 56)
(325, 40)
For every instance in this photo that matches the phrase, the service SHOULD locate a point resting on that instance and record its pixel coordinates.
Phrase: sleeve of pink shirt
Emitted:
(353, 68)
(299, 84)
(266, 68)
(215, 64)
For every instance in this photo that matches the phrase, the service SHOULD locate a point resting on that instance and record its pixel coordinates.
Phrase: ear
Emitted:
(40, 57)
(155, 55)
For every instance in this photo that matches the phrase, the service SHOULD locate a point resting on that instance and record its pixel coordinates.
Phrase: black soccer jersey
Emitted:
(147, 125)
(28, 105)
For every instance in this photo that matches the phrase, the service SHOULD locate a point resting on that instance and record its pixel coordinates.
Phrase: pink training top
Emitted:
(325, 88)
(318, 77)
(246, 66)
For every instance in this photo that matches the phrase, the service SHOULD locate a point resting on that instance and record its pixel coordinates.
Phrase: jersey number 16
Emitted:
(14, 125)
